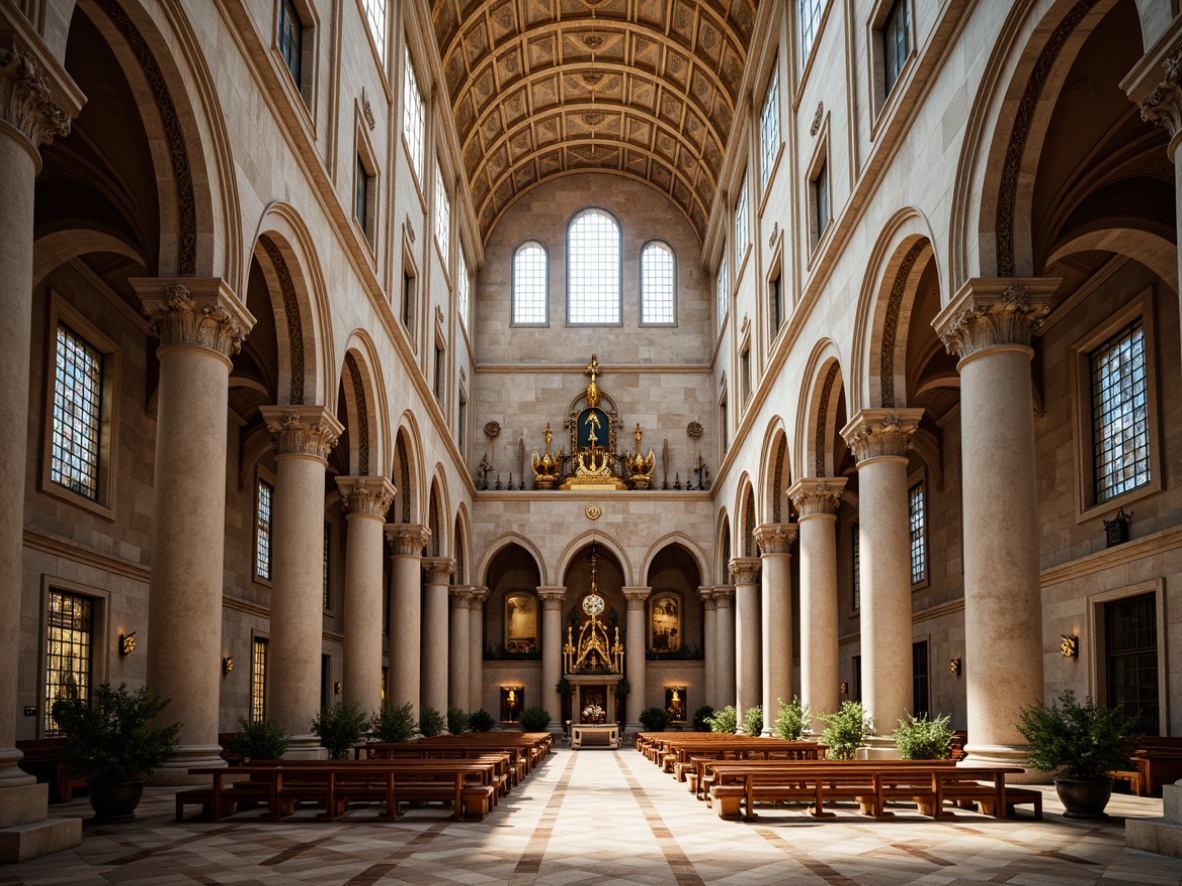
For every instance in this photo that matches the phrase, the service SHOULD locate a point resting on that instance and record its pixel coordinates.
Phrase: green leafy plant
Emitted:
(790, 720)
(844, 730)
(726, 720)
(654, 719)
(623, 688)
(701, 716)
(919, 738)
(110, 739)
(564, 688)
(261, 740)
(339, 728)
(393, 723)
(534, 719)
(753, 720)
(457, 721)
(430, 722)
(1082, 740)
(481, 721)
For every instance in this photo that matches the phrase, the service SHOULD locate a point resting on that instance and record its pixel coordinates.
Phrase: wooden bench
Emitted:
(1156, 762)
(44, 758)
(1016, 797)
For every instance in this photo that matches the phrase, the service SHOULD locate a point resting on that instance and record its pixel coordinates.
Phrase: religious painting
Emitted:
(521, 623)
(594, 429)
(665, 624)
(675, 703)
(512, 703)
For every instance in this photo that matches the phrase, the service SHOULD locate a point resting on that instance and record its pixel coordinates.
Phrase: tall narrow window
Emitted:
(821, 198)
(290, 38)
(439, 370)
(262, 540)
(919, 679)
(721, 289)
(741, 227)
(462, 284)
(1130, 653)
(916, 521)
(258, 680)
(327, 577)
(775, 304)
(769, 131)
(810, 21)
(724, 424)
(77, 414)
(855, 568)
(408, 300)
(657, 303)
(593, 268)
(1120, 414)
(896, 42)
(412, 118)
(361, 198)
(462, 422)
(69, 655)
(530, 285)
(375, 17)
(325, 681)
(856, 664)
(442, 216)
(745, 373)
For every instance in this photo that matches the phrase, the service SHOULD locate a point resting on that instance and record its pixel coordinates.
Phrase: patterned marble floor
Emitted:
(604, 817)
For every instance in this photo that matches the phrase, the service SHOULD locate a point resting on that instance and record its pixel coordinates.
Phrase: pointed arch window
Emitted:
(658, 276)
(530, 285)
(593, 269)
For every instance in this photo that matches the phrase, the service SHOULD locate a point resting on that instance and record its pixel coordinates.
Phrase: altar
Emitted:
(602, 736)
(594, 666)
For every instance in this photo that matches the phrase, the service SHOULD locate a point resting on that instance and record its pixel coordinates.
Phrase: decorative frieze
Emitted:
(407, 539)
(988, 314)
(193, 311)
(370, 496)
(816, 496)
(1163, 106)
(26, 101)
(775, 538)
(745, 570)
(438, 569)
(552, 598)
(302, 430)
(636, 597)
(881, 433)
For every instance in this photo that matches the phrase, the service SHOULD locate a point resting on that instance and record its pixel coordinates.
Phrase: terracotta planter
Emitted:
(1084, 797)
(114, 802)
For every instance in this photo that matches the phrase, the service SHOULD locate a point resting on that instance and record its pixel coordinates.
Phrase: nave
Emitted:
(606, 817)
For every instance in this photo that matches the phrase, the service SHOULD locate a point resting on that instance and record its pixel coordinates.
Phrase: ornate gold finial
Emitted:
(546, 467)
(639, 466)
(592, 389)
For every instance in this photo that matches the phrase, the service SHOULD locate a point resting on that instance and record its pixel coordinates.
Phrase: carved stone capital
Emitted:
(1163, 106)
(636, 597)
(438, 569)
(552, 598)
(26, 100)
(370, 496)
(989, 314)
(478, 595)
(302, 430)
(775, 538)
(708, 601)
(407, 539)
(200, 312)
(461, 596)
(881, 433)
(816, 496)
(745, 570)
(724, 597)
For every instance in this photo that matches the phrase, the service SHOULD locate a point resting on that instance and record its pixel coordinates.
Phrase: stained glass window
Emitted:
(77, 414)
(68, 651)
(1120, 413)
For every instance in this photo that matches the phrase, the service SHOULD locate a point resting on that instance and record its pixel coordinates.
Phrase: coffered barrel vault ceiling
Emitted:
(642, 88)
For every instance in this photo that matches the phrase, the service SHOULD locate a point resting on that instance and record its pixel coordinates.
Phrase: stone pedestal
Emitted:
(748, 655)
(1161, 835)
(710, 646)
(775, 543)
(816, 502)
(878, 439)
(635, 663)
(460, 647)
(989, 325)
(406, 549)
(303, 437)
(365, 500)
(724, 641)
(476, 655)
(548, 698)
(437, 572)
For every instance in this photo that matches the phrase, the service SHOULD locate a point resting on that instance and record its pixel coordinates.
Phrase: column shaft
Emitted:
(407, 542)
(775, 541)
(435, 632)
(748, 654)
(724, 641)
(459, 670)
(476, 656)
(709, 647)
(636, 663)
(551, 652)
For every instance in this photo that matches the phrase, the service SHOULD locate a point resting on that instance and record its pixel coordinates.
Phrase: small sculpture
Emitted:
(639, 466)
(546, 467)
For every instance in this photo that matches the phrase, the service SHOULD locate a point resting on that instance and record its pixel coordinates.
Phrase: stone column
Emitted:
(406, 544)
(748, 657)
(552, 641)
(709, 645)
(459, 670)
(879, 439)
(434, 650)
(303, 437)
(816, 502)
(724, 641)
(365, 500)
(476, 655)
(775, 543)
(31, 115)
(635, 660)
(989, 326)
(1163, 107)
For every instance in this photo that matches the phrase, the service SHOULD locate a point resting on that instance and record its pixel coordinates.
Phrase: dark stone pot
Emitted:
(114, 802)
(1084, 797)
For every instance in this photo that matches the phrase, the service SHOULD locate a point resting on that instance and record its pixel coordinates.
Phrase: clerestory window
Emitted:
(658, 303)
(593, 269)
(530, 285)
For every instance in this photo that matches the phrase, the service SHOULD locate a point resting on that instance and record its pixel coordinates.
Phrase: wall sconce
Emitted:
(227, 664)
(127, 643)
(336, 688)
(954, 667)
(845, 687)
(1069, 646)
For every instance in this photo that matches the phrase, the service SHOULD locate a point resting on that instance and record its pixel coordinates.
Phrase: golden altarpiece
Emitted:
(593, 664)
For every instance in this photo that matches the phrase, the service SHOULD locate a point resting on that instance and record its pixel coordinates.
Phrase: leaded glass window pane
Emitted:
(412, 117)
(77, 414)
(68, 652)
(916, 519)
(896, 42)
(1120, 413)
(442, 216)
(769, 130)
(258, 681)
(530, 284)
(856, 566)
(593, 282)
(657, 303)
(262, 548)
(721, 289)
(375, 17)
(290, 38)
(810, 21)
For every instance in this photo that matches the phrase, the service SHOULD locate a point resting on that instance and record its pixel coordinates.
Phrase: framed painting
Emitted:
(521, 622)
(665, 623)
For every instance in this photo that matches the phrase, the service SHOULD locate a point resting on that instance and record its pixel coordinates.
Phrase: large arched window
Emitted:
(530, 285)
(593, 268)
(657, 284)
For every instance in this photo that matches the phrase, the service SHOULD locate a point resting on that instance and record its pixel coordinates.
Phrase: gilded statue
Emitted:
(640, 467)
(592, 389)
(546, 467)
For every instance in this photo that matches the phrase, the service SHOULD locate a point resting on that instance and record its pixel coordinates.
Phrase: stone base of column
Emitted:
(305, 747)
(1161, 835)
(176, 771)
(878, 747)
(25, 830)
(1006, 755)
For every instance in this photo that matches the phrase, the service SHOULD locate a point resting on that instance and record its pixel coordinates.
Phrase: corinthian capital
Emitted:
(199, 312)
(816, 496)
(461, 596)
(745, 570)
(370, 496)
(407, 539)
(26, 100)
(636, 597)
(1163, 106)
(988, 314)
(478, 595)
(438, 569)
(552, 597)
(775, 538)
(302, 430)
(881, 433)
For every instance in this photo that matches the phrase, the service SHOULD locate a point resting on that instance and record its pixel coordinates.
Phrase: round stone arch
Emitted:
(503, 541)
(365, 405)
(674, 538)
(722, 547)
(462, 545)
(817, 420)
(775, 473)
(407, 474)
(746, 519)
(438, 511)
(576, 545)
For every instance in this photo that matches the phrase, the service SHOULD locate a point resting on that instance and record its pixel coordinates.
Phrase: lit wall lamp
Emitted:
(954, 667)
(336, 687)
(845, 687)
(127, 643)
(227, 664)
(1069, 646)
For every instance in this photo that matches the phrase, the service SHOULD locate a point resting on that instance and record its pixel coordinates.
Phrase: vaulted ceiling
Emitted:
(642, 88)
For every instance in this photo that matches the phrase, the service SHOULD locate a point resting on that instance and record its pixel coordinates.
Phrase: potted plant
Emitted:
(261, 740)
(393, 723)
(457, 721)
(726, 720)
(701, 718)
(535, 719)
(654, 719)
(110, 741)
(790, 720)
(1082, 743)
(481, 721)
(844, 730)
(430, 722)
(339, 728)
(919, 738)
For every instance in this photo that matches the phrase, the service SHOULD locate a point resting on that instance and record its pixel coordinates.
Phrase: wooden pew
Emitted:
(45, 759)
(1156, 762)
